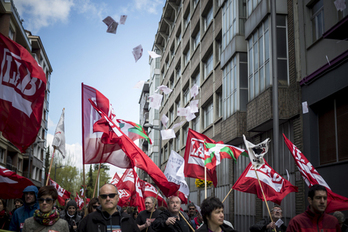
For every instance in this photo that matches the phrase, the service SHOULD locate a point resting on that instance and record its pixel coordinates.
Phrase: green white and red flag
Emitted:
(218, 151)
(133, 131)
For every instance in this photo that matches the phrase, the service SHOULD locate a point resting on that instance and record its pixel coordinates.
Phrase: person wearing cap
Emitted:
(71, 215)
(27, 210)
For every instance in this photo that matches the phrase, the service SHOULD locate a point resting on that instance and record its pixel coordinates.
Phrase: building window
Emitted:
(195, 41)
(178, 38)
(208, 66)
(186, 57)
(195, 2)
(187, 18)
(208, 19)
(333, 121)
(219, 104)
(178, 72)
(259, 60)
(19, 166)
(229, 22)
(177, 105)
(186, 96)
(208, 114)
(171, 115)
(252, 4)
(2, 155)
(177, 142)
(170, 148)
(317, 20)
(11, 33)
(230, 89)
(165, 154)
(196, 80)
(185, 132)
(196, 124)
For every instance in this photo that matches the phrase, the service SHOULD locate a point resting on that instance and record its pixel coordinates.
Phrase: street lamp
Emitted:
(55, 170)
(149, 125)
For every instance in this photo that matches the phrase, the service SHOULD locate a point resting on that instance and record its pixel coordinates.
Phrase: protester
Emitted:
(93, 204)
(4, 215)
(147, 216)
(266, 225)
(46, 218)
(192, 213)
(212, 211)
(27, 210)
(71, 216)
(18, 203)
(62, 211)
(135, 214)
(342, 220)
(109, 216)
(171, 220)
(315, 218)
(197, 221)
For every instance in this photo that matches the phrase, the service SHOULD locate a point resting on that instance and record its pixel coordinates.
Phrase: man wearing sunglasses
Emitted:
(27, 210)
(109, 217)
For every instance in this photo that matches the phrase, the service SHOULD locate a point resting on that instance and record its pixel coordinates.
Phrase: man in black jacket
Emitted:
(108, 217)
(266, 225)
(171, 220)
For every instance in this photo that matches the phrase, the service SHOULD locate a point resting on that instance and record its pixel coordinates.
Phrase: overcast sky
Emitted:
(80, 50)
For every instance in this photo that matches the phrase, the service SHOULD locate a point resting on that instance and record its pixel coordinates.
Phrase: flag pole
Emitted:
(96, 181)
(205, 182)
(49, 170)
(186, 221)
(227, 195)
(264, 197)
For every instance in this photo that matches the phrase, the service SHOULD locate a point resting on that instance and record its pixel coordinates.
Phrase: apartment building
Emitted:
(31, 163)
(323, 54)
(258, 64)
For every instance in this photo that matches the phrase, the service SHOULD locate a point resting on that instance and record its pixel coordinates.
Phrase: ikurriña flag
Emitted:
(133, 131)
(22, 94)
(311, 176)
(274, 186)
(218, 151)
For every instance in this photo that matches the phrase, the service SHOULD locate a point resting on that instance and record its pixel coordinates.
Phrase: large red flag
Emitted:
(62, 193)
(22, 94)
(195, 153)
(115, 180)
(150, 191)
(112, 145)
(274, 186)
(125, 189)
(11, 184)
(311, 176)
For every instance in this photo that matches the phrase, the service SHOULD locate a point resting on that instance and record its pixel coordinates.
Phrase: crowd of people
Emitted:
(36, 211)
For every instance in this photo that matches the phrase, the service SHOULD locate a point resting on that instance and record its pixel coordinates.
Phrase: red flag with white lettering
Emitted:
(311, 176)
(150, 191)
(274, 186)
(22, 94)
(62, 193)
(11, 184)
(103, 140)
(79, 201)
(195, 152)
(115, 180)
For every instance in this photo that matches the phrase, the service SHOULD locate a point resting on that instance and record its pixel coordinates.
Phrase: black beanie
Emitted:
(71, 203)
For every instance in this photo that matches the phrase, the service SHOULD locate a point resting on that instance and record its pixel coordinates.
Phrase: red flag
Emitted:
(311, 176)
(131, 183)
(62, 193)
(133, 131)
(115, 180)
(106, 146)
(79, 201)
(11, 184)
(195, 152)
(150, 191)
(274, 186)
(22, 94)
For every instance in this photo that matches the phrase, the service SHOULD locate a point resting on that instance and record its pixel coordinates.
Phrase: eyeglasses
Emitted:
(48, 200)
(111, 195)
(191, 208)
(278, 210)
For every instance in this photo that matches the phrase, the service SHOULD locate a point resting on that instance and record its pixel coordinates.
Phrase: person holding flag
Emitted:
(266, 225)
(147, 216)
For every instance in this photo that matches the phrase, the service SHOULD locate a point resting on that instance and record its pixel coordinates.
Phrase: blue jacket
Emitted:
(25, 211)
